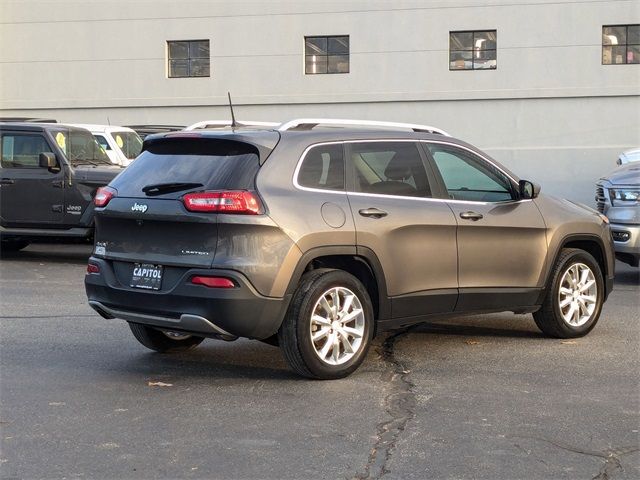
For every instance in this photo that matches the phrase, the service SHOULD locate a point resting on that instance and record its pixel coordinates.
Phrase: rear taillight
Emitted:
(213, 282)
(93, 268)
(236, 201)
(103, 195)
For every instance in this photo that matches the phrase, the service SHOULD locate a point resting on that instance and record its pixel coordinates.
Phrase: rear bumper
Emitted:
(196, 309)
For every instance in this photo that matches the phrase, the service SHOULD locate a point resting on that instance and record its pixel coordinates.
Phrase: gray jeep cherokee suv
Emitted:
(317, 238)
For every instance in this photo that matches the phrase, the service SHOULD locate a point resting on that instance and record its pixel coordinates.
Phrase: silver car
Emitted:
(618, 197)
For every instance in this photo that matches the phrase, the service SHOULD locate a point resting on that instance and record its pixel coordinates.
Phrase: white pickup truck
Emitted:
(121, 144)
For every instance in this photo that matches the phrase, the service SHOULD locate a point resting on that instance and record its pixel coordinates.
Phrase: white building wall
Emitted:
(551, 111)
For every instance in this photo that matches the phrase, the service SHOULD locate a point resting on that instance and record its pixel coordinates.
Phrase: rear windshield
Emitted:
(129, 142)
(215, 169)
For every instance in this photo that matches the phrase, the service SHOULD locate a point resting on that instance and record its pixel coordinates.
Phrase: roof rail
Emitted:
(228, 123)
(310, 123)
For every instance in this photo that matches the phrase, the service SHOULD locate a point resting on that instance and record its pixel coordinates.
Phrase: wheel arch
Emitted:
(591, 244)
(360, 262)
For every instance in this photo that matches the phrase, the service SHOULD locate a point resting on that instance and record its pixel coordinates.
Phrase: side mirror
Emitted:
(528, 189)
(48, 160)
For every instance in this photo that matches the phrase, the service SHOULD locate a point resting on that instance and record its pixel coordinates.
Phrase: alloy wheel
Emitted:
(577, 294)
(337, 326)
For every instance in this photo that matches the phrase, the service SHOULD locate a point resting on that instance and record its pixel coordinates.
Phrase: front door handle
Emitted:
(471, 216)
(7, 181)
(372, 212)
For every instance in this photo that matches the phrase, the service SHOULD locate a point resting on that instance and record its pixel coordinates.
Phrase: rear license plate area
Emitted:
(147, 276)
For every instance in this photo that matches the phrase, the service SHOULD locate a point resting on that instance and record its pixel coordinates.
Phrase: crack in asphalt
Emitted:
(399, 404)
(612, 462)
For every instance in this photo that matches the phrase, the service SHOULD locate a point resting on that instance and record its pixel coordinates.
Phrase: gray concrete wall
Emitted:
(551, 111)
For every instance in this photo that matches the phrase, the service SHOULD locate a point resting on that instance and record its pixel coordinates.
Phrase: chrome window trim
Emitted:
(299, 166)
(382, 195)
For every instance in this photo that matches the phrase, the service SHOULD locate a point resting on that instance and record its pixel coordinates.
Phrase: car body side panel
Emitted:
(310, 219)
(256, 247)
(415, 242)
(506, 248)
(567, 221)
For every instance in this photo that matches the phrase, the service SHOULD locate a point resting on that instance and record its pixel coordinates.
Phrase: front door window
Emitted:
(466, 177)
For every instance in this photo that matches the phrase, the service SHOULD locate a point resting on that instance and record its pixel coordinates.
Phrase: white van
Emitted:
(121, 144)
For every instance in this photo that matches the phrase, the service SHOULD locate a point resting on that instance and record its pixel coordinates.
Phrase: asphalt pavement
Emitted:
(476, 397)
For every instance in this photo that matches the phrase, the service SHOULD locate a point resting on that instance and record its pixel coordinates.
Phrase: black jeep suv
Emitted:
(49, 174)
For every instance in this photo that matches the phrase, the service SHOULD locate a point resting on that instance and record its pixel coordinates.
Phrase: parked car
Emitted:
(318, 238)
(618, 197)
(629, 156)
(49, 174)
(121, 144)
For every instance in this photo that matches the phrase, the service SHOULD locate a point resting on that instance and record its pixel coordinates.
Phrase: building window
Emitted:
(473, 50)
(188, 58)
(326, 54)
(620, 44)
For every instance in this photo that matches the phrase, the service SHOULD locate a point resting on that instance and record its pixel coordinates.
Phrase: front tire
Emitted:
(164, 342)
(574, 298)
(329, 326)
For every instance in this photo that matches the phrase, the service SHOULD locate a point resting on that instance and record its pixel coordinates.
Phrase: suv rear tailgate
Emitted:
(157, 231)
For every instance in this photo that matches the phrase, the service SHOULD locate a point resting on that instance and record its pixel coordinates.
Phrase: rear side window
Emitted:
(129, 142)
(23, 151)
(215, 164)
(468, 177)
(389, 168)
(102, 142)
(323, 167)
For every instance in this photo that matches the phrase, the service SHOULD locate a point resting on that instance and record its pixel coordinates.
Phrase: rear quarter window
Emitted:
(323, 168)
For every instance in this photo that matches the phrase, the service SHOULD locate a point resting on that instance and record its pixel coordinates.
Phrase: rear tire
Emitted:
(329, 325)
(162, 342)
(574, 297)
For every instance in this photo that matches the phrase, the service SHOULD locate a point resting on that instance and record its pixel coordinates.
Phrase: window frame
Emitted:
(320, 189)
(25, 134)
(326, 37)
(189, 58)
(480, 159)
(626, 44)
(474, 32)
(430, 178)
(438, 188)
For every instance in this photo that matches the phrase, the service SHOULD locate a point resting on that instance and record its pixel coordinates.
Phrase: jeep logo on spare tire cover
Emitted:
(139, 207)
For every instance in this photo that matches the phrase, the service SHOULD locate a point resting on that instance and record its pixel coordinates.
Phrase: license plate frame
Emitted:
(147, 276)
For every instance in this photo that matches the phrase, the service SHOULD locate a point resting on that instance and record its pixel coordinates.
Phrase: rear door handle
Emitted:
(372, 212)
(471, 216)
(7, 181)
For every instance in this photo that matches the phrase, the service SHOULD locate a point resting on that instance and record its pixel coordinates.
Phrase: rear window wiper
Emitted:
(160, 188)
